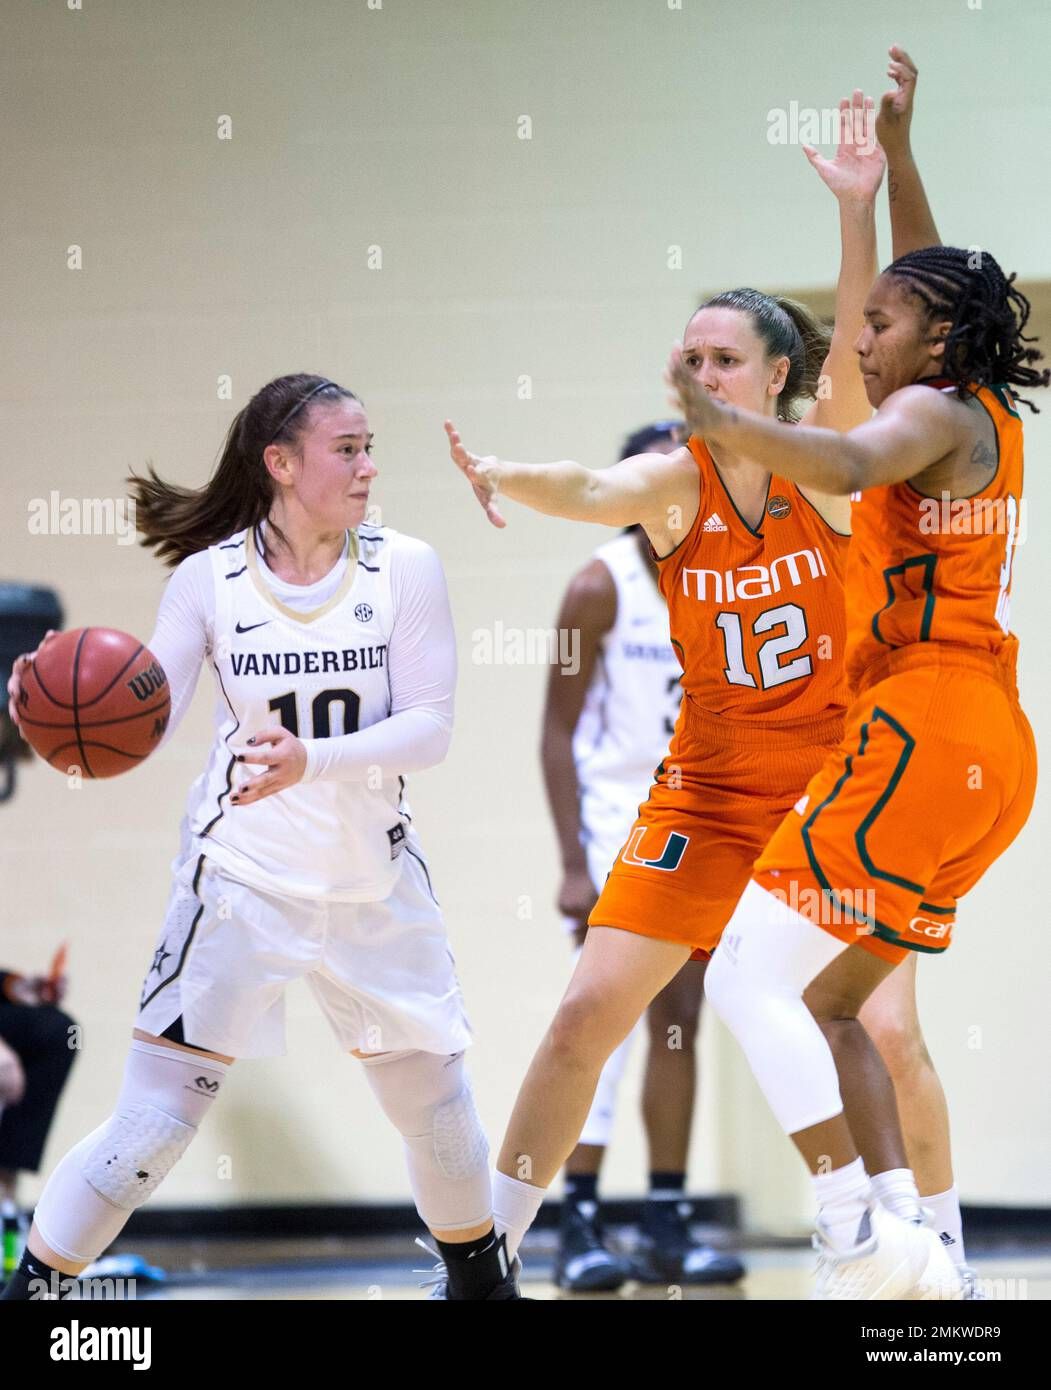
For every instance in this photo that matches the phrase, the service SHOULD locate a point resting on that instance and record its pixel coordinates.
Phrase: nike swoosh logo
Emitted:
(250, 626)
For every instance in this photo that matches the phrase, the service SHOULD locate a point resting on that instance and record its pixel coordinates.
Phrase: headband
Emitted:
(300, 404)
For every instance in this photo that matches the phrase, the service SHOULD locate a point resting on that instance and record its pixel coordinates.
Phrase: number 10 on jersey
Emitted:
(286, 707)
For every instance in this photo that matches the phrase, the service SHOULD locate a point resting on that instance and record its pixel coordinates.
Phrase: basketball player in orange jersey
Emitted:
(752, 568)
(606, 727)
(936, 772)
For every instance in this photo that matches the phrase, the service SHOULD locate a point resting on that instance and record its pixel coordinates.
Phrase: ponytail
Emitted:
(176, 522)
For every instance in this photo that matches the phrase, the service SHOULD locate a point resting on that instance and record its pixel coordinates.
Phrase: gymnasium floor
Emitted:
(344, 1268)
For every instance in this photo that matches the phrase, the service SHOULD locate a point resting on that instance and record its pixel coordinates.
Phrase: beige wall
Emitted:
(502, 258)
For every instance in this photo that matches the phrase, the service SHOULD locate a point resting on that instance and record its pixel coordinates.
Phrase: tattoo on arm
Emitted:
(982, 456)
(892, 188)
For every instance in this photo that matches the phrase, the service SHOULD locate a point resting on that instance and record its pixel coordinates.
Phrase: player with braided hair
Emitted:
(986, 341)
(936, 772)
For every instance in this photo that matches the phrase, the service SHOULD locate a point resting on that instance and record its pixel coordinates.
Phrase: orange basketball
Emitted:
(96, 700)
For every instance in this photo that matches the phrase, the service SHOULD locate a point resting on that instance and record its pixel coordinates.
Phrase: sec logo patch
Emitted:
(363, 613)
(778, 507)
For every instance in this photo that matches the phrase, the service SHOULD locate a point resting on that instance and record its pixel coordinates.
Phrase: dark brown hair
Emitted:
(178, 521)
(788, 329)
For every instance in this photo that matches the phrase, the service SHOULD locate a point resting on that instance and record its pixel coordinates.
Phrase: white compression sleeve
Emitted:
(755, 983)
(182, 634)
(94, 1189)
(421, 667)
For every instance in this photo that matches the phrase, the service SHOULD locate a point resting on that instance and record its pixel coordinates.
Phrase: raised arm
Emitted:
(639, 490)
(914, 428)
(911, 220)
(854, 176)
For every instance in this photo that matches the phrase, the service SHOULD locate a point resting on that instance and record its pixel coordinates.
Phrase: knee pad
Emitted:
(133, 1153)
(460, 1145)
(755, 983)
(92, 1192)
(165, 1095)
(429, 1100)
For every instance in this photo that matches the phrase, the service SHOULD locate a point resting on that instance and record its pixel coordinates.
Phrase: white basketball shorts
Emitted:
(382, 971)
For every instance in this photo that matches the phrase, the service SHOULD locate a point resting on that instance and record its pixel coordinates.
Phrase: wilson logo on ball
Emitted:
(147, 682)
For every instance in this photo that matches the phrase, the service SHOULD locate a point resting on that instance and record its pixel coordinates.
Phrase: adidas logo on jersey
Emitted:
(715, 523)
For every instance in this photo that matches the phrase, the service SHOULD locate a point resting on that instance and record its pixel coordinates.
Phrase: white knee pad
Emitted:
(117, 1167)
(428, 1098)
(767, 957)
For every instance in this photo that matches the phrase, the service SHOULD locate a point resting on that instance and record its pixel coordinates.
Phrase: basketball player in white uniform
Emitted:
(333, 651)
(606, 728)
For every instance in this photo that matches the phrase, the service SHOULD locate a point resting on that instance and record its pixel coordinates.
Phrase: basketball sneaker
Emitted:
(584, 1263)
(668, 1253)
(438, 1282)
(891, 1259)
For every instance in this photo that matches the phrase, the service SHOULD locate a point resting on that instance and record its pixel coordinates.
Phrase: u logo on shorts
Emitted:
(669, 858)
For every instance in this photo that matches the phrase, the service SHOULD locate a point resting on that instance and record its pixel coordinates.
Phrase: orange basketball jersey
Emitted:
(757, 616)
(937, 569)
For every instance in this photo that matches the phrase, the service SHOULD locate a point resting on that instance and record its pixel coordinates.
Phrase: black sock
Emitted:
(664, 1185)
(581, 1187)
(475, 1266)
(34, 1279)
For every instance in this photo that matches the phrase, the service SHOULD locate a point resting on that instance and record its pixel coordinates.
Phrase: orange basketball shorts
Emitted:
(717, 797)
(934, 778)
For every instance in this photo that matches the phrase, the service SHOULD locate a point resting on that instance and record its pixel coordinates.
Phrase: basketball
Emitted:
(94, 699)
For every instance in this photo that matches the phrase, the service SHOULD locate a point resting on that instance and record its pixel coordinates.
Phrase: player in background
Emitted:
(333, 651)
(936, 772)
(752, 569)
(606, 727)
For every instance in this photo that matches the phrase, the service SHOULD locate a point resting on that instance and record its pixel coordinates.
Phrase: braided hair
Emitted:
(986, 343)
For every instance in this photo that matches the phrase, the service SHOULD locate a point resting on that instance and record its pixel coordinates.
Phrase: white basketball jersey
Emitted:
(633, 699)
(319, 673)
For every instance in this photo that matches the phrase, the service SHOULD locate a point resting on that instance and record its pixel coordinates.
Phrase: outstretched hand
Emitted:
(481, 473)
(857, 169)
(895, 108)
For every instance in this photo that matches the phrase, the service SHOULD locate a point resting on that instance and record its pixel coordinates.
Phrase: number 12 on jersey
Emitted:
(771, 672)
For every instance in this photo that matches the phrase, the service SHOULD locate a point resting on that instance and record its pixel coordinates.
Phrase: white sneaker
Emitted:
(889, 1260)
(941, 1278)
